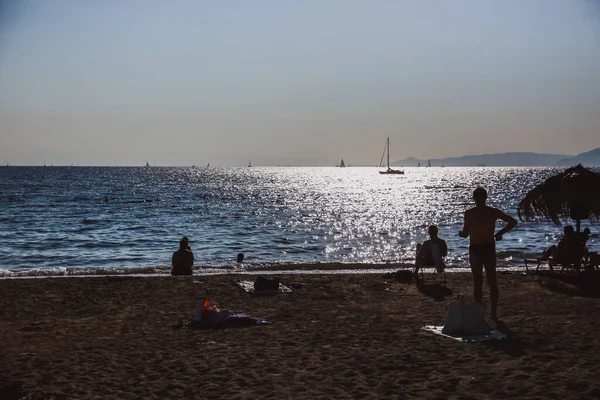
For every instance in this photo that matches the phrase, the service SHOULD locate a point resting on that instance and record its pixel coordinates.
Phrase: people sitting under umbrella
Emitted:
(570, 249)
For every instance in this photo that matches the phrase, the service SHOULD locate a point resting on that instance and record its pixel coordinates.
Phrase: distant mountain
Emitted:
(493, 160)
(589, 159)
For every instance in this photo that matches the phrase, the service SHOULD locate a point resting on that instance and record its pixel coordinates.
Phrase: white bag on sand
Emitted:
(465, 318)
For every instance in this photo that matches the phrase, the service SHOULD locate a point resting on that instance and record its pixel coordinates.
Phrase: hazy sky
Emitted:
(295, 82)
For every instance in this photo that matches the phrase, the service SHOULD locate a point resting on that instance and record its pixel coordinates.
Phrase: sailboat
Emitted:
(147, 164)
(249, 164)
(388, 170)
(419, 164)
(342, 165)
(208, 165)
(429, 163)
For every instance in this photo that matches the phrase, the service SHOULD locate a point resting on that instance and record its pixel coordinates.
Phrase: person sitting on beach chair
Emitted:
(431, 252)
(571, 249)
(563, 252)
(183, 259)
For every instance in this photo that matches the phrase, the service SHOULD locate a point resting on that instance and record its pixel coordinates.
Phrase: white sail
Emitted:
(386, 151)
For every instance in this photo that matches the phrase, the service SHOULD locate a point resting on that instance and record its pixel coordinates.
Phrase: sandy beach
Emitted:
(334, 337)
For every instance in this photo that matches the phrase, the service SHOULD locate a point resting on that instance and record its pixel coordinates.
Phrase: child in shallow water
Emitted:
(240, 260)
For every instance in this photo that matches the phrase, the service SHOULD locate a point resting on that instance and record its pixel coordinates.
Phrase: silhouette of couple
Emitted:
(183, 259)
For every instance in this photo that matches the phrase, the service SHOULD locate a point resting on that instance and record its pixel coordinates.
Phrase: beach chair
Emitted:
(538, 262)
(593, 261)
(439, 267)
(577, 260)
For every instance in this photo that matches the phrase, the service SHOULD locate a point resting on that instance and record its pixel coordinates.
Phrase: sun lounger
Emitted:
(552, 263)
(568, 254)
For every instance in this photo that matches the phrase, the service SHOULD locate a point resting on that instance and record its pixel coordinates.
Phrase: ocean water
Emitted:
(122, 218)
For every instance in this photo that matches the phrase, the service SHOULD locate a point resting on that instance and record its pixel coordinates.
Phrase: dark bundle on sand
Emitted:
(333, 337)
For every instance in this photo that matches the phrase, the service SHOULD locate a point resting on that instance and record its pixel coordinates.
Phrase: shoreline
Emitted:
(283, 269)
(332, 337)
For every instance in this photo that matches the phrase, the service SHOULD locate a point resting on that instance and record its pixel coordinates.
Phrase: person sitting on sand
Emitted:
(183, 259)
(427, 252)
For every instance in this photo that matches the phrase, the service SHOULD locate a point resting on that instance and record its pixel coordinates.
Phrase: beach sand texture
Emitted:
(333, 337)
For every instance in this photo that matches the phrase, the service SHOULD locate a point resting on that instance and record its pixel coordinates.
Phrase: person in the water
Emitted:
(480, 224)
(183, 259)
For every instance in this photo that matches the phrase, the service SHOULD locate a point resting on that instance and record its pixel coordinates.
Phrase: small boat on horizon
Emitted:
(388, 171)
(249, 164)
(147, 164)
(342, 165)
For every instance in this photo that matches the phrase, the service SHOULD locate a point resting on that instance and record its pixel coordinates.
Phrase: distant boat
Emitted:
(249, 164)
(147, 164)
(342, 165)
(208, 165)
(429, 163)
(389, 170)
(419, 164)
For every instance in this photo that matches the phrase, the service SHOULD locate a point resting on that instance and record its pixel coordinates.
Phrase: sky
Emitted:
(295, 82)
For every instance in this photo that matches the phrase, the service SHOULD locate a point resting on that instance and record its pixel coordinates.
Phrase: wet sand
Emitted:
(334, 337)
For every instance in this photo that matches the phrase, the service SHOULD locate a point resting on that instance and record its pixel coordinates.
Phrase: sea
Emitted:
(57, 221)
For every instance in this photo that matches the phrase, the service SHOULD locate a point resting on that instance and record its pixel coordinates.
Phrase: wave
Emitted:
(273, 269)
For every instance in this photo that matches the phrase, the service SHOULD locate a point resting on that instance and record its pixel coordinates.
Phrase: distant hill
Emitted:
(493, 160)
(589, 159)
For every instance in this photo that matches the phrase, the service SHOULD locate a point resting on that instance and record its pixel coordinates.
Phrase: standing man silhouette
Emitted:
(480, 223)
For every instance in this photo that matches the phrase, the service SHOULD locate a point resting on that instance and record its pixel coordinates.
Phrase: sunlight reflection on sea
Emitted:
(58, 217)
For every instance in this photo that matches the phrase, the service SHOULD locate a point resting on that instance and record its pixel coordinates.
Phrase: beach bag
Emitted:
(465, 317)
(262, 283)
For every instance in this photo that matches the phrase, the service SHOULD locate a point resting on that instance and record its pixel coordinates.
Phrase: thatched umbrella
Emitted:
(574, 193)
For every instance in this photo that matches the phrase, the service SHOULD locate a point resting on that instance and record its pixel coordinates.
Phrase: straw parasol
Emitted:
(573, 193)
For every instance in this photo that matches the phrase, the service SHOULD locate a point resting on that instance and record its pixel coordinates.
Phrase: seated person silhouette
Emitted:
(569, 249)
(430, 253)
(561, 252)
(585, 235)
(183, 259)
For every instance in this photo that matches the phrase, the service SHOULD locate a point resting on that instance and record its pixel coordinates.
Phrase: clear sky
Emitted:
(295, 82)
